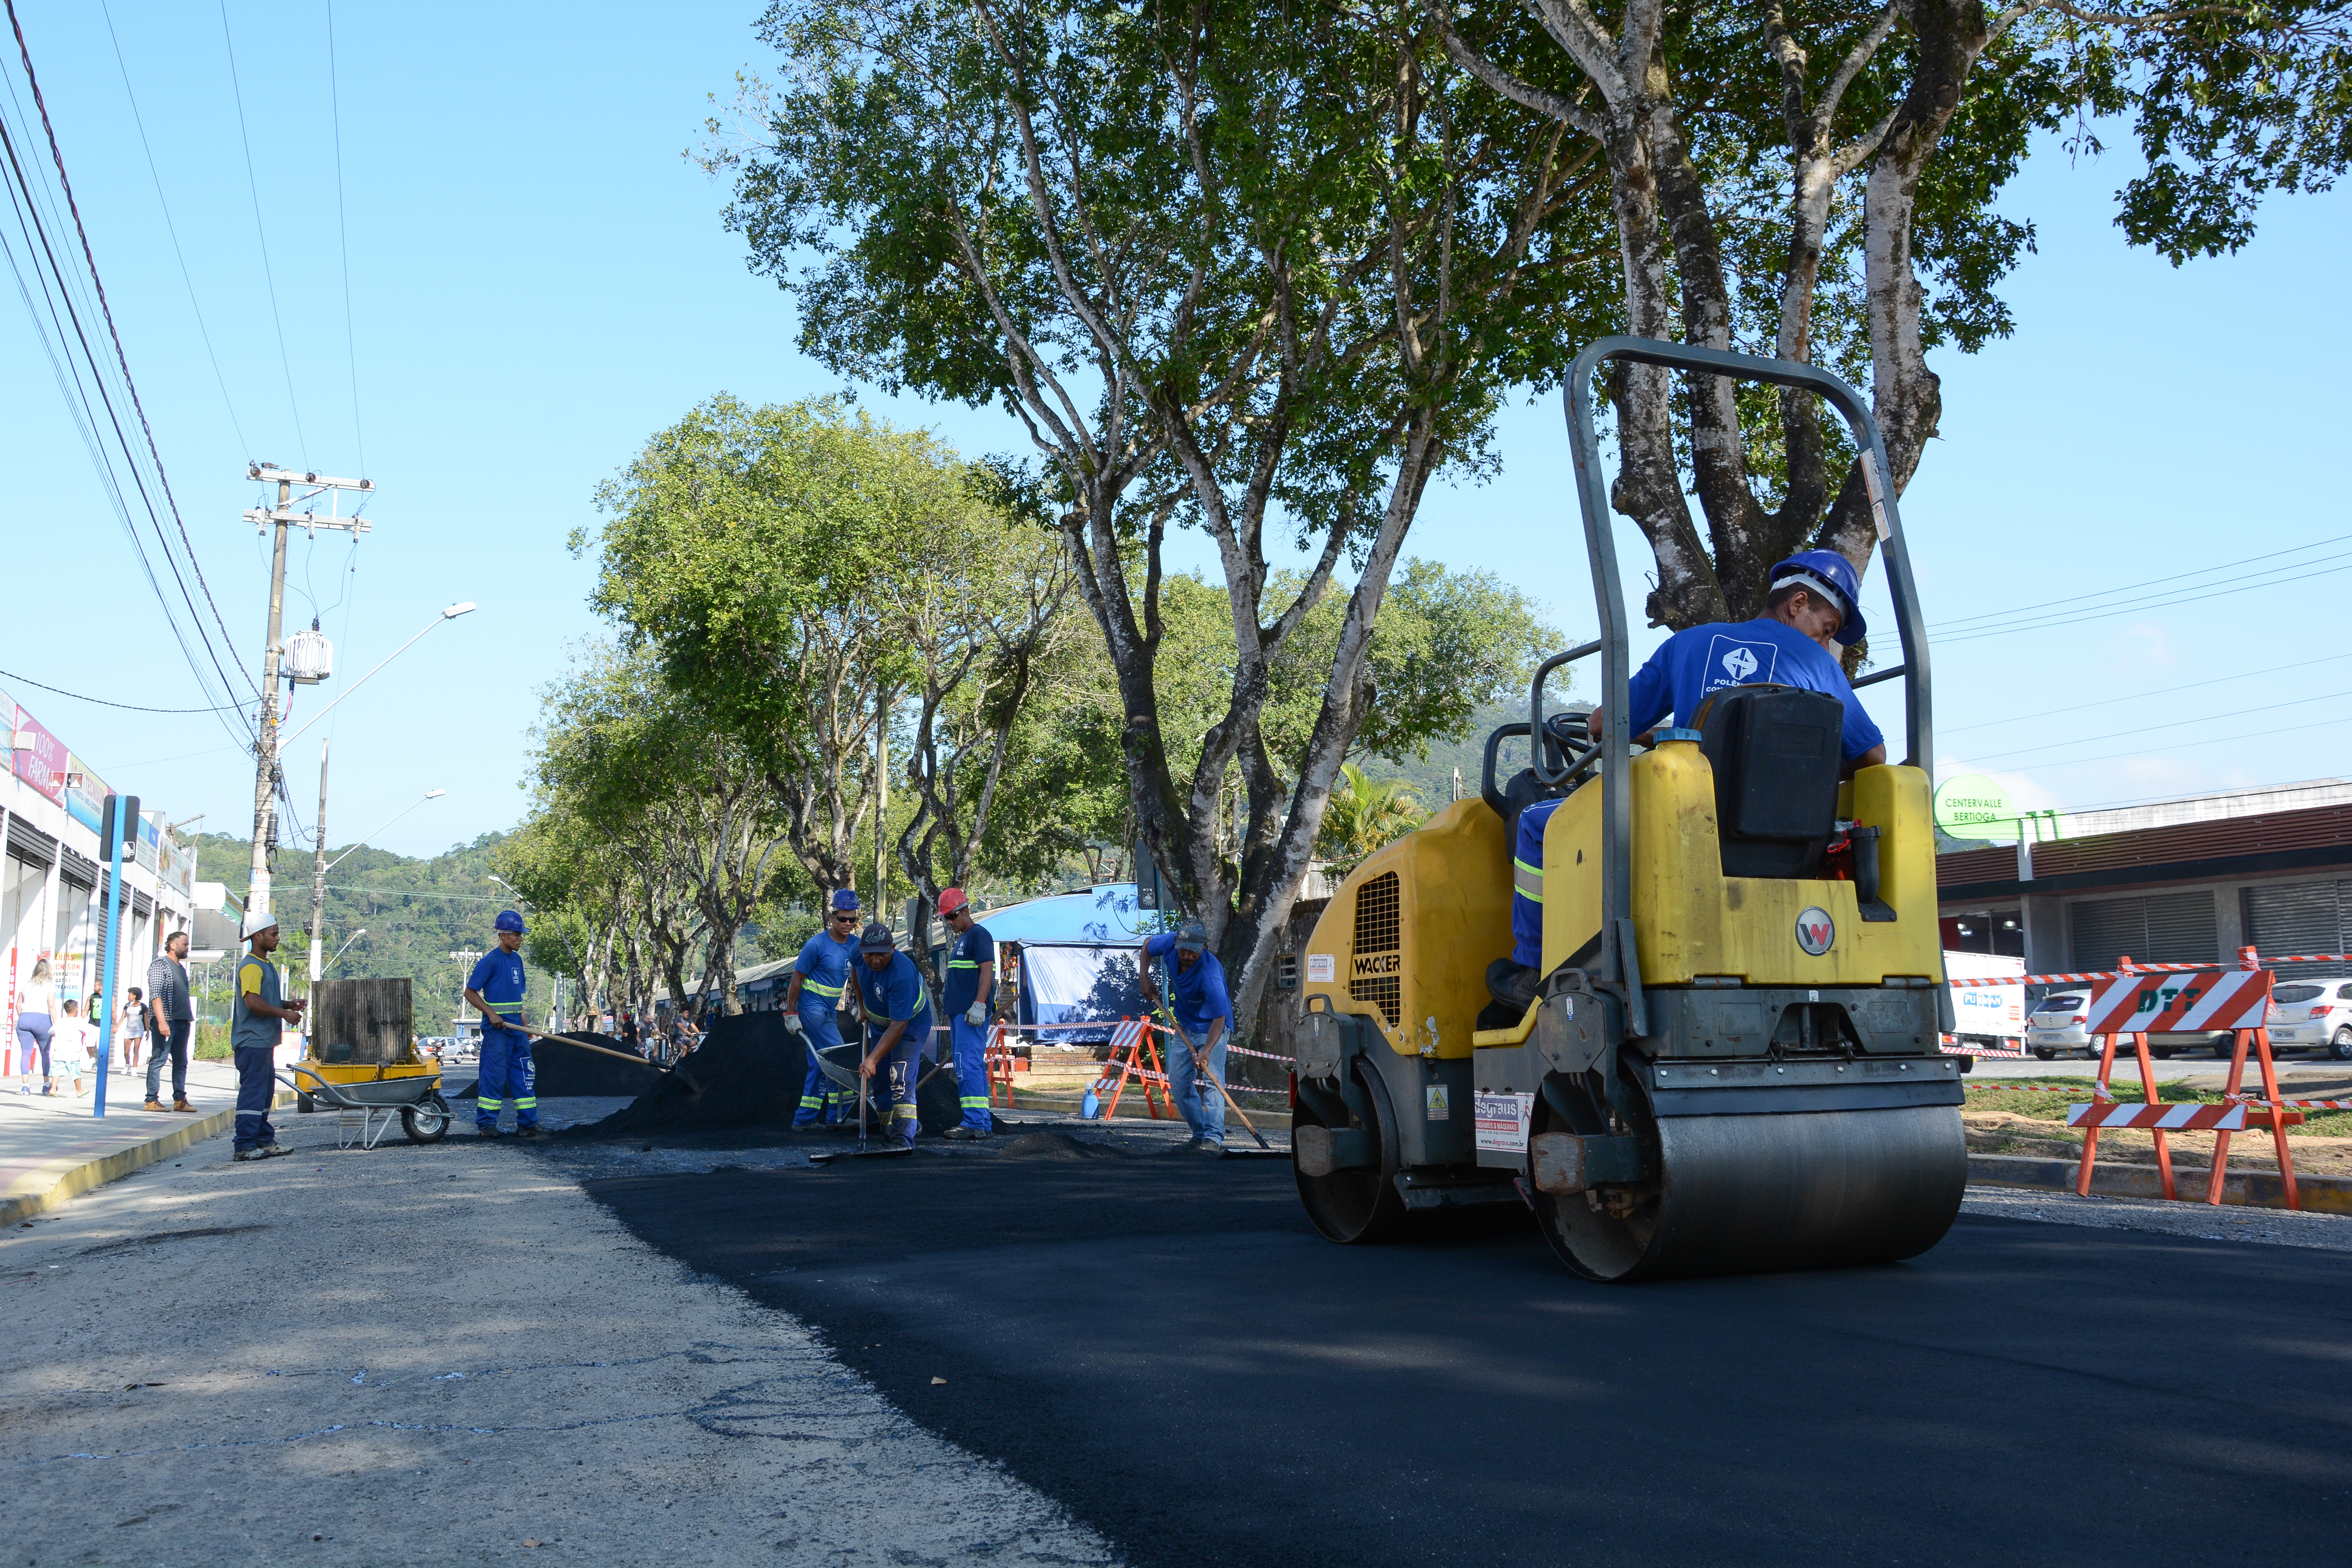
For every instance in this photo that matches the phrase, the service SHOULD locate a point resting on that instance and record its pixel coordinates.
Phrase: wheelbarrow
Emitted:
(369, 1099)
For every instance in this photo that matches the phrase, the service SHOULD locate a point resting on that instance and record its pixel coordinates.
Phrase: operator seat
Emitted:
(1776, 755)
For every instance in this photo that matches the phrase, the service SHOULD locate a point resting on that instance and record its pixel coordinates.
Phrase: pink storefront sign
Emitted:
(40, 757)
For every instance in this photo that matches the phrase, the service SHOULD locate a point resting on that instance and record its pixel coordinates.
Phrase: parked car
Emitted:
(2058, 1026)
(2311, 1012)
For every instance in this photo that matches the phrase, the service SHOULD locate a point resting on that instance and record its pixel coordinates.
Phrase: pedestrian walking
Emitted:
(73, 1049)
(172, 1018)
(256, 1021)
(1196, 995)
(505, 1076)
(891, 994)
(129, 1032)
(970, 993)
(33, 1026)
(812, 1000)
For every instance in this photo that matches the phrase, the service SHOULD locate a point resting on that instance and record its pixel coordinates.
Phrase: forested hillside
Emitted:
(414, 913)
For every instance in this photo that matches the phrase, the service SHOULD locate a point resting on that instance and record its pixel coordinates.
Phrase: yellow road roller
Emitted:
(1731, 1058)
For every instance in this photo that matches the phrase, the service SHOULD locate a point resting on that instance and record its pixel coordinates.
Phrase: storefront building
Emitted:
(53, 885)
(2184, 882)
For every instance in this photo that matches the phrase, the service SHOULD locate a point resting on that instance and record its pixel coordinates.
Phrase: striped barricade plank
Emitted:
(2191, 1118)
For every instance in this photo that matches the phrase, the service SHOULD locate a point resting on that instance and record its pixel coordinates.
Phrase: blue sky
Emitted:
(538, 279)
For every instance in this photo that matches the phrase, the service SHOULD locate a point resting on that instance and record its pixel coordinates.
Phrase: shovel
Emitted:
(679, 1071)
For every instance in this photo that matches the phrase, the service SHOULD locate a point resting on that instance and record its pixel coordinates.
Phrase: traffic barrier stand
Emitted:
(2142, 1000)
(1133, 1037)
(1001, 1061)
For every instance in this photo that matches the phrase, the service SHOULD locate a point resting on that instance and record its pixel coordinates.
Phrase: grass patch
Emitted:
(2047, 1107)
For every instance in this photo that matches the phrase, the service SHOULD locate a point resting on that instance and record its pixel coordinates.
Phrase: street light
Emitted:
(318, 880)
(451, 613)
(342, 950)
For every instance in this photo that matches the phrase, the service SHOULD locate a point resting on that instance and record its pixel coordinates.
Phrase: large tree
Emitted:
(1261, 271)
(1816, 182)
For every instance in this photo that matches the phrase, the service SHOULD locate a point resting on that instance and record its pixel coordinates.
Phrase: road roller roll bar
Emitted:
(1617, 961)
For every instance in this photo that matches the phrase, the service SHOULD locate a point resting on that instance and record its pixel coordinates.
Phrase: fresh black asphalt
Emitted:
(1162, 1343)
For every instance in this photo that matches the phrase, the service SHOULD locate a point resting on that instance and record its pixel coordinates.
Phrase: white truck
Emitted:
(1986, 1017)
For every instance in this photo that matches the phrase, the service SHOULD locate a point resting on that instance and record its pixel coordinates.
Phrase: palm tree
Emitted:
(1362, 816)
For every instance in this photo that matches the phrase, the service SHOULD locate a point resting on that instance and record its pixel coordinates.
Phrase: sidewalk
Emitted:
(52, 1149)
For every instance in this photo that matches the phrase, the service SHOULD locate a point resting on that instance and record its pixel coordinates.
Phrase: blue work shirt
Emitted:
(1691, 666)
(969, 950)
(1527, 885)
(824, 967)
(894, 994)
(498, 979)
(1197, 994)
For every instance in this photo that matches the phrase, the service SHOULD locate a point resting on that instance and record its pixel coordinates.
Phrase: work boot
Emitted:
(152, 1105)
(1190, 1146)
(1208, 1146)
(490, 1132)
(530, 1131)
(179, 1105)
(962, 1134)
(274, 1150)
(245, 1154)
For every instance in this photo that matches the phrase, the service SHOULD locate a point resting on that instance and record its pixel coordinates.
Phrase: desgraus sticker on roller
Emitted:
(1502, 1121)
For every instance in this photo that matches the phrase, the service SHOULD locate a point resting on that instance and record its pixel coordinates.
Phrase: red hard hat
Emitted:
(952, 900)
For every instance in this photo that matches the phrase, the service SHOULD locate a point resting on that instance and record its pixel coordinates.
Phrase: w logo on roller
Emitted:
(1816, 931)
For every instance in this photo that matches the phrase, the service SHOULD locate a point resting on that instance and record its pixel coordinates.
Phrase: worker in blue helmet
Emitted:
(812, 1000)
(505, 1077)
(1812, 613)
(898, 1022)
(1204, 1015)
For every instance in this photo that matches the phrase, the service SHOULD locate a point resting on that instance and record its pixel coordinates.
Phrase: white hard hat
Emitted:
(258, 920)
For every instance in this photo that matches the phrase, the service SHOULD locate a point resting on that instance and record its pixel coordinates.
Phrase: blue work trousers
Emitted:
(255, 1086)
(898, 1070)
(504, 1078)
(971, 1070)
(1200, 1103)
(822, 1099)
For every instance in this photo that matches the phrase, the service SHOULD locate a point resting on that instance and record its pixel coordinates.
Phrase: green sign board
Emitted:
(1973, 806)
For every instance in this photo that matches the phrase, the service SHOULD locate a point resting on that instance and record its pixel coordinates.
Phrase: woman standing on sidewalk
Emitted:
(33, 1026)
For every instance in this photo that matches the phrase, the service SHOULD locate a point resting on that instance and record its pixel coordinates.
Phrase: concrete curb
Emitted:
(62, 1181)
(2248, 1189)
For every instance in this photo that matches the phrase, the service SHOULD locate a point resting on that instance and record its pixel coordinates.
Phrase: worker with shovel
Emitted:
(505, 1076)
(820, 975)
(970, 987)
(1196, 990)
(896, 1003)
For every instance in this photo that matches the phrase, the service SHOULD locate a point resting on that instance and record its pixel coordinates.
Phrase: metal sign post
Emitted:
(118, 818)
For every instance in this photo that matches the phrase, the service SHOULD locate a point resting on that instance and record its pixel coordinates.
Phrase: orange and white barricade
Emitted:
(2140, 1001)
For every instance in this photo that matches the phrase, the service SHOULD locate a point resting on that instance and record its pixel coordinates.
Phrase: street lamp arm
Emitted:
(451, 613)
(342, 950)
(395, 817)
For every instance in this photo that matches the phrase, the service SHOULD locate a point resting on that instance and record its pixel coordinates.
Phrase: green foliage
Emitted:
(416, 912)
(1363, 816)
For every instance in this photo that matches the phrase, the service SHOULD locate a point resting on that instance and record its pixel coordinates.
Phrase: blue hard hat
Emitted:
(1827, 572)
(510, 920)
(845, 899)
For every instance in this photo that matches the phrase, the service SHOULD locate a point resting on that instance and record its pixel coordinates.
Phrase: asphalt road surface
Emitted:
(1164, 1345)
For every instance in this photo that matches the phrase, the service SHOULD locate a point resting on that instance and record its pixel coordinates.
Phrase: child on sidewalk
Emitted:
(73, 1045)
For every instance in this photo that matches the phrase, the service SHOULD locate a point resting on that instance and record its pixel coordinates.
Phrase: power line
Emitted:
(1963, 623)
(285, 361)
(173, 229)
(2140, 696)
(123, 360)
(2298, 571)
(2141, 729)
(2193, 741)
(76, 395)
(102, 702)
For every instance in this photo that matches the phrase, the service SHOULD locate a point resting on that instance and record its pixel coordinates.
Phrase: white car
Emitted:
(2058, 1024)
(2312, 1013)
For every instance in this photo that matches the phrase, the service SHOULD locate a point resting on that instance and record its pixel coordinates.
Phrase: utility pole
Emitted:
(265, 773)
(319, 873)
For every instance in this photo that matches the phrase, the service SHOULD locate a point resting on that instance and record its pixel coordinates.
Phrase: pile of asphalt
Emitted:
(746, 1073)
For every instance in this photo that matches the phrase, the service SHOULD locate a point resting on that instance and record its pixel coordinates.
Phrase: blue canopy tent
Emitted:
(1078, 956)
